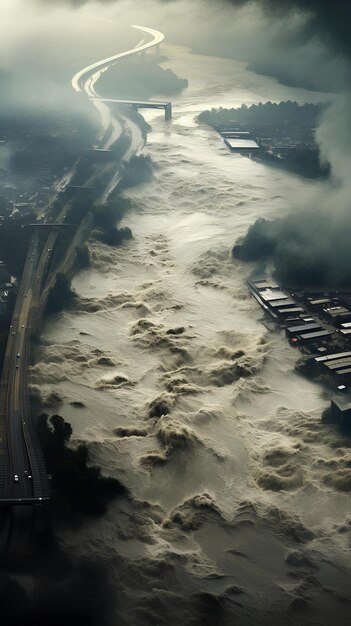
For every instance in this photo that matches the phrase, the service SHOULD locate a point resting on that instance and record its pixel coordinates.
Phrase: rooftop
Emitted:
(236, 143)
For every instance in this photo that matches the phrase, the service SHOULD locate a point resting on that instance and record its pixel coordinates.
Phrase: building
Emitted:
(293, 331)
(239, 144)
(311, 337)
(340, 412)
(337, 314)
(273, 295)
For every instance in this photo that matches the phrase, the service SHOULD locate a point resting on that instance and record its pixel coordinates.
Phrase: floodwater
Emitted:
(238, 508)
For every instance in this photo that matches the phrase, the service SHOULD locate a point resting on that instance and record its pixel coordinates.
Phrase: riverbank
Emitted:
(218, 441)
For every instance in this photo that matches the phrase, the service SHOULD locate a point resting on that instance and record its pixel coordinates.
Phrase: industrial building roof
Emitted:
(269, 295)
(279, 303)
(343, 372)
(340, 363)
(302, 328)
(295, 309)
(317, 335)
(261, 284)
(319, 301)
(331, 357)
(337, 311)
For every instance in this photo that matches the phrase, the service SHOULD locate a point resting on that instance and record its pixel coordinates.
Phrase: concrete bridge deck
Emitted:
(140, 104)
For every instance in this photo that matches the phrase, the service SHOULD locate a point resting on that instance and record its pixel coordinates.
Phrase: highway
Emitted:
(85, 81)
(14, 377)
(81, 77)
(25, 457)
(23, 476)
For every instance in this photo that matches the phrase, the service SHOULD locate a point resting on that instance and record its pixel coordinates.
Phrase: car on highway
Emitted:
(22, 326)
(18, 355)
(15, 478)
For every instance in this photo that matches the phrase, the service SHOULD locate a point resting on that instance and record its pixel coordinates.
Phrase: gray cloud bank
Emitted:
(328, 17)
(311, 246)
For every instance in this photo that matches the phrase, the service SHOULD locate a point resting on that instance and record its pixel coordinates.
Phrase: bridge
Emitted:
(24, 483)
(23, 501)
(137, 104)
(49, 225)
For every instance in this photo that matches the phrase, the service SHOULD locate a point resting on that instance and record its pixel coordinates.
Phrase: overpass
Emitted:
(138, 104)
(24, 484)
(80, 79)
(49, 225)
(23, 501)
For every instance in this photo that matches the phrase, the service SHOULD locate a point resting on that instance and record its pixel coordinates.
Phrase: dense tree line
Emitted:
(77, 487)
(270, 112)
(139, 80)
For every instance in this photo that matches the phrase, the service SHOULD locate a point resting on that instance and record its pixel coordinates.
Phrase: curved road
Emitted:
(22, 468)
(85, 81)
(84, 74)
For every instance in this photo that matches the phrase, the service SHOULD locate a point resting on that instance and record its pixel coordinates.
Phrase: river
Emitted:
(238, 508)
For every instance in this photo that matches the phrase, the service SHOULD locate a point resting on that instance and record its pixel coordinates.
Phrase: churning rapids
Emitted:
(239, 497)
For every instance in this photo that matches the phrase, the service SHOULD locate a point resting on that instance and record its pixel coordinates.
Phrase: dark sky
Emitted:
(330, 19)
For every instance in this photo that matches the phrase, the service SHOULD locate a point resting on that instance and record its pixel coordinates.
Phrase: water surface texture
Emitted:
(238, 509)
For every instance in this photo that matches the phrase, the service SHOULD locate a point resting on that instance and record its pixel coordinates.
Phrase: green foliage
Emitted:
(138, 170)
(61, 295)
(106, 215)
(270, 112)
(139, 120)
(139, 80)
(78, 489)
(116, 236)
(285, 133)
(82, 257)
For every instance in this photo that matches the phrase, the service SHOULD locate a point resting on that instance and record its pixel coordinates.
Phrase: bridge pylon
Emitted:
(168, 111)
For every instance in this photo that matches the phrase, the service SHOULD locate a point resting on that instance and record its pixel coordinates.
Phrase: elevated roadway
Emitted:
(23, 476)
(81, 78)
(141, 104)
(24, 465)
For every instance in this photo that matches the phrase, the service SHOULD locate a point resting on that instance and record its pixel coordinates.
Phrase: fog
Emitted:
(303, 44)
(296, 45)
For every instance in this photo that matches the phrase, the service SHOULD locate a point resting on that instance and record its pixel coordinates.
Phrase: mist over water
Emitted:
(239, 506)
